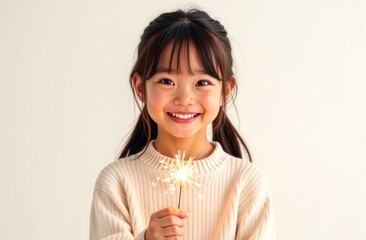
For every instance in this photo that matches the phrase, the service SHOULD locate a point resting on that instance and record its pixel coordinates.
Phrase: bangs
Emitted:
(180, 35)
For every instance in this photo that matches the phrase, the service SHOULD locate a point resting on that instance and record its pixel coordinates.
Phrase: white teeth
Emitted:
(183, 116)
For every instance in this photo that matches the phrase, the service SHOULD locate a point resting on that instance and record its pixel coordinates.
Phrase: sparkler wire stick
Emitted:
(180, 194)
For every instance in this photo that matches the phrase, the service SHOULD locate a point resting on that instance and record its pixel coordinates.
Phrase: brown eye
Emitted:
(166, 81)
(202, 83)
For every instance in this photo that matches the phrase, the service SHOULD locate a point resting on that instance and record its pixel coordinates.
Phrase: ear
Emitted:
(137, 86)
(229, 88)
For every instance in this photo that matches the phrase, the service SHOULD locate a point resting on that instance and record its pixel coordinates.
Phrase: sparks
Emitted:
(179, 173)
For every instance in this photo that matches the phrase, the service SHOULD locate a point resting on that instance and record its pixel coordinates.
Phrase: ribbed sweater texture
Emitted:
(236, 200)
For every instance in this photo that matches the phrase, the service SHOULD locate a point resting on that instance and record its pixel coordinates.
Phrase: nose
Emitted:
(184, 96)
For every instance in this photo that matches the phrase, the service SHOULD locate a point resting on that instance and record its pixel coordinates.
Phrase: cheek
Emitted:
(155, 98)
(212, 102)
(155, 102)
(213, 98)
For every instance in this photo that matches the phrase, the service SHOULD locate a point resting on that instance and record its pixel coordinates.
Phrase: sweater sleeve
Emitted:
(110, 218)
(256, 216)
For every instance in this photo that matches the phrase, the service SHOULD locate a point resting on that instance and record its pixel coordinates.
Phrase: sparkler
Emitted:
(179, 173)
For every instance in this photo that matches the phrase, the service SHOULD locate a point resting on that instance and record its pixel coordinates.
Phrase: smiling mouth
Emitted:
(184, 116)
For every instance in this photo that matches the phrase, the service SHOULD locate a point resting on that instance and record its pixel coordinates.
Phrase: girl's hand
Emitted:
(166, 223)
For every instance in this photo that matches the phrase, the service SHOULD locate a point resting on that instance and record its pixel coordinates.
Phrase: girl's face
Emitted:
(184, 101)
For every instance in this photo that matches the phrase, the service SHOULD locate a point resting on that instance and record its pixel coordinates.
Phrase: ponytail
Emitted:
(145, 130)
(224, 132)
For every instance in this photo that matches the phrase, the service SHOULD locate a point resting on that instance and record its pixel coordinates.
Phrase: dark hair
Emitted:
(214, 51)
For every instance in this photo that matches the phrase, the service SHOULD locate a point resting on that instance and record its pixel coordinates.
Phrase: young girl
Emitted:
(183, 78)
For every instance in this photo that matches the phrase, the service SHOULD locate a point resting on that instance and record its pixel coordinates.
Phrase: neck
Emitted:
(193, 148)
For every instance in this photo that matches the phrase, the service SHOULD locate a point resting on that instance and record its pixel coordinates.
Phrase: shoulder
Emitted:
(251, 178)
(114, 175)
(242, 166)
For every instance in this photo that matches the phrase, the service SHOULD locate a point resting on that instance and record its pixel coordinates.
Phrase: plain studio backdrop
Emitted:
(66, 107)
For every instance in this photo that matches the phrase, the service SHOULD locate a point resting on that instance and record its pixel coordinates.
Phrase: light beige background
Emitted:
(65, 107)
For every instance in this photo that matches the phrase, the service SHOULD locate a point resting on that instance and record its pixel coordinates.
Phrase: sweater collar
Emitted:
(151, 157)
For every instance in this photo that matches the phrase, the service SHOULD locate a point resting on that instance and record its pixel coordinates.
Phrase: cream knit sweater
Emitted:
(236, 201)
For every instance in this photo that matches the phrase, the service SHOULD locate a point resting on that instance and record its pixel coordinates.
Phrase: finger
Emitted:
(171, 211)
(170, 220)
(173, 238)
(156, 232)
(172, 231)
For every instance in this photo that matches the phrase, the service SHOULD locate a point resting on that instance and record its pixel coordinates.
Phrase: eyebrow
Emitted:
(167, 70)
